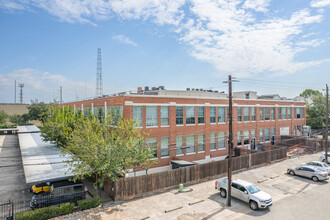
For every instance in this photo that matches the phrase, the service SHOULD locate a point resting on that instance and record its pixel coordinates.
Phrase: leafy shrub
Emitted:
(65, 208)
(89, 203)
(45, 213)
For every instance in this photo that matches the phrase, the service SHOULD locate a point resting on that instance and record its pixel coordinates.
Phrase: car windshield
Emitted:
(325, 165)
(252, 189)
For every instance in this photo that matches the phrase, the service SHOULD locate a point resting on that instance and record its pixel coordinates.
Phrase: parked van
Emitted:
(59, 193)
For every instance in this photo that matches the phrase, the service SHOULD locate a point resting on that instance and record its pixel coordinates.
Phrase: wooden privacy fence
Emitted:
(133, 187)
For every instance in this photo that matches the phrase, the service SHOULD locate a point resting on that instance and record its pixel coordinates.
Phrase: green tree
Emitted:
(38, 111)
(18, 119)
(3, 117)
(309, 93)
(96, 148)
(316, 112)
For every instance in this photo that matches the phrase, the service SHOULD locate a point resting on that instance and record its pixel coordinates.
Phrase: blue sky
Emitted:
(270, 46)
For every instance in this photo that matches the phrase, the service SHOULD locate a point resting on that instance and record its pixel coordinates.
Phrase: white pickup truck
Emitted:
(245, 191)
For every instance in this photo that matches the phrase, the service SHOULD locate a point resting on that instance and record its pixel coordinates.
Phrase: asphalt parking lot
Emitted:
(12, 179)
(293, 197)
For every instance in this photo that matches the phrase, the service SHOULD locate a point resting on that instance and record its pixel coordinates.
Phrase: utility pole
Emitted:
(61, 98)
(325, 137)
(230, 144)
(15, 91)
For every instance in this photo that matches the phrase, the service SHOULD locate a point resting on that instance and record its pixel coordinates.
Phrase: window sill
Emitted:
(190, 124)
(164, 126)
(201, 123)
(221, 123)
(180, 125)
(165, 157)
(180, 155)
(190, 153)
(152, 126)
(213, 123)
(213, 149)
(222, 149)
(199, 152)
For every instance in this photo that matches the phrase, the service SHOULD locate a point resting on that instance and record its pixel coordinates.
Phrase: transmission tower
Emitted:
(99, 83)
(21, 85)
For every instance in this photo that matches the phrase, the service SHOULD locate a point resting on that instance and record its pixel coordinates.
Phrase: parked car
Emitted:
(58, 194)
(310, 172)
(245, 191)
(320, 165)
(40, 187)
(322, 157)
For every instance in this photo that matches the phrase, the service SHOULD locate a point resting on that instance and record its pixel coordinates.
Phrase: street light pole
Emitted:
(325, 137)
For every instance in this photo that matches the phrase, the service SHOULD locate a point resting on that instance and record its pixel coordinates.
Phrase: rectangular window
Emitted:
(253, 114)
(164, 115)
(272, 113)
(267, 115)
(99, 113)
(212, 141)
(261, 137)
(201, 145)
(302, 112)
(246, 113)
(190, 115)
(267, 134)
(179, 115)
(87, 111)
(298, 113)
(261, 113)
(239, 114)
(279, 113)
(164, 147)
(137, 115)
(151, 116)
(283, 112)
(289, 113)
(221, 140)
(221, 114)
(116, 112)
(253, 139)
(200, 115)
(273, 135)
(239, 138)
(190, 143)
(179, 145)
(246, 137)
(152, 144)
(212, 114)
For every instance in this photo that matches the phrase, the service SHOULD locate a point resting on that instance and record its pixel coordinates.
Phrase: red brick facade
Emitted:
(173, 130)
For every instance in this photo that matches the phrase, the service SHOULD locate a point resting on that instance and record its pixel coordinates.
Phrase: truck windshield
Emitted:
(252, 189)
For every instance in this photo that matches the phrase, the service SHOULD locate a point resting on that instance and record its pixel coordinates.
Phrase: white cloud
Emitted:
(224, 34)
(124, 40)
(231, 35)
(89, 11)
(320, 3)
(45, 86)
(257, 5)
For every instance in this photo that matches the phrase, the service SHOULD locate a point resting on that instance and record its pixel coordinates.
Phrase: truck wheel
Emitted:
(223, 193)
(253, 205)
(315, 179)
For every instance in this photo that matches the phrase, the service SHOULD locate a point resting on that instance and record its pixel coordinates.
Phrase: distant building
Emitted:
(192, 125)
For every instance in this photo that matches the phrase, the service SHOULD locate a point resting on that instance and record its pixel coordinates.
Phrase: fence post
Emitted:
(250, 161)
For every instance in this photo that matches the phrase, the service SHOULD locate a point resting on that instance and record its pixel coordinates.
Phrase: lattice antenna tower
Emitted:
(99, 82)
(21, 85)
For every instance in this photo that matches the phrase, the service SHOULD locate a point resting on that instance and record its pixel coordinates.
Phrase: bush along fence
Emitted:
(133, 187)
(47, 212)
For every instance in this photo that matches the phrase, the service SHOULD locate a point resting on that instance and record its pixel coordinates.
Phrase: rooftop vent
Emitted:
(188, 89)
(146, 88)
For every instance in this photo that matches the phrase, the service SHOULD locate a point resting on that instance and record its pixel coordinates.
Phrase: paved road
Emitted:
(293, 198)
(12, 179)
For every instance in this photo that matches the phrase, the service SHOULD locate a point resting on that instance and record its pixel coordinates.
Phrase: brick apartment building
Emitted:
(193, 125)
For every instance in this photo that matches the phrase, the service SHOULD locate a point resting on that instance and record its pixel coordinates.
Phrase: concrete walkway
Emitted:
(204, 201)
(12, 179)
